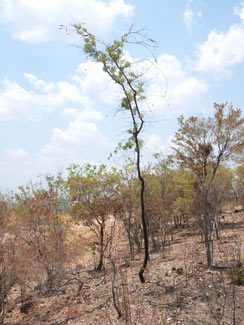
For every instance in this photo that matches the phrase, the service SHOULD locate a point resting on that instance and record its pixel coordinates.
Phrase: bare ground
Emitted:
(179, 289)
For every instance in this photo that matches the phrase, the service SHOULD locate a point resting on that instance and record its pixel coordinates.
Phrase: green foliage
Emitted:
(92, 189)
(184, 200)
(122, 72)
(95, 312)
(207, 294)
(93, 192)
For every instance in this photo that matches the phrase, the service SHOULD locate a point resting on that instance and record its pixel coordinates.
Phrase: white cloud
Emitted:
(174, 90)
(94, 82)
(17, 103)
(169, 89)
(188, 18)
(222, 51)
(240, 11)
(70, 112)
(85, 115)
(81, 141)
(154, 144)
(192, 14)
(57, 94)
(16, 167)
(90, 115)
(39, 84)
(16, 153)
(38, 21)
(79, 100)
(89, 88)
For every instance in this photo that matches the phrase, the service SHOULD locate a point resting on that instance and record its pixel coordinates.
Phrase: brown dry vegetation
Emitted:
(179, 288)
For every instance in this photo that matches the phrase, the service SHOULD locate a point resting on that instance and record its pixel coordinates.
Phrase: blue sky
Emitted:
(57, 108)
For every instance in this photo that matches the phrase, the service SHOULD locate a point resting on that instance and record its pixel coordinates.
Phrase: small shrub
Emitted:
(207, 294)
(95, 312)
(179, 271)
(236, 275)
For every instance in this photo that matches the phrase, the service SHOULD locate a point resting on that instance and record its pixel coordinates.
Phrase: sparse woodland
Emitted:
(147, 243)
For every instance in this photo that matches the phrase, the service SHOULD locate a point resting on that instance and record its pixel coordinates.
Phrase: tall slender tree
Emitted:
(122, 72)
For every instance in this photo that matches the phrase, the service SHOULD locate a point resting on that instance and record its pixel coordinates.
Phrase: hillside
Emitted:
(179, 288)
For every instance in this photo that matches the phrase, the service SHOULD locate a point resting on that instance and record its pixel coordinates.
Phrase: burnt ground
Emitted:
(179, 289)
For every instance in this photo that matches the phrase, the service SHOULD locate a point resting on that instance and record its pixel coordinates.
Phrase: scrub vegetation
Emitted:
(72, 246)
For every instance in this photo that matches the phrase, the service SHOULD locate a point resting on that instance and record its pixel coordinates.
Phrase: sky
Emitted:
(58, 108)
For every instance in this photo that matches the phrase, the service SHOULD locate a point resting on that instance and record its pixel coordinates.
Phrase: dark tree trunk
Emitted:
(207, 238)
(101, 250)
(143, 216)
